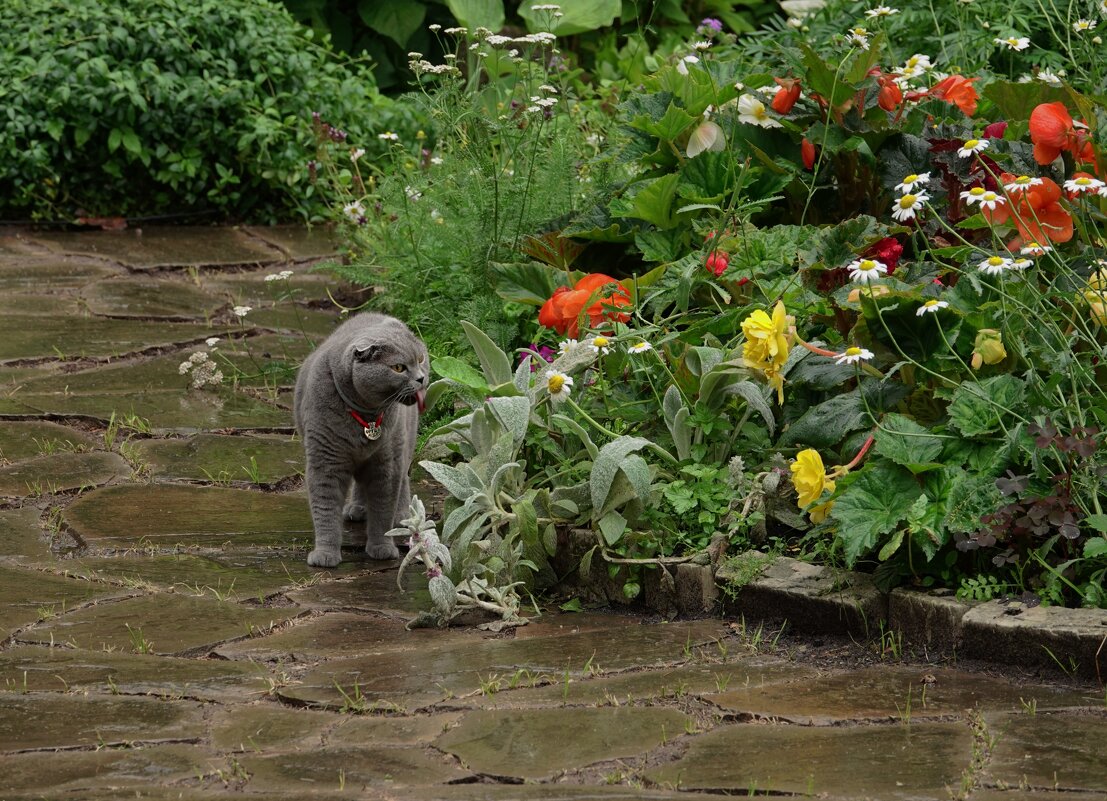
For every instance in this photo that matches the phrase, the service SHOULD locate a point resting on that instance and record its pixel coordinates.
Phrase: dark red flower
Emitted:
(888, 250)
(717, 262)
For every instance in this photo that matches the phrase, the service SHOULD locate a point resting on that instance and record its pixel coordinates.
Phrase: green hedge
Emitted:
(151, 107)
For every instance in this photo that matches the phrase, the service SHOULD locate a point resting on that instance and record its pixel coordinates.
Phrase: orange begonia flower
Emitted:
(1052, 130)
(958, 90)
(890, 95)
(786, 96)
(807, 153)
(1036, 213)
(563, 311)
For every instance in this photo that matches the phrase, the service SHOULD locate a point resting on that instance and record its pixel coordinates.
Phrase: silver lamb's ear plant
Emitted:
(449, 599)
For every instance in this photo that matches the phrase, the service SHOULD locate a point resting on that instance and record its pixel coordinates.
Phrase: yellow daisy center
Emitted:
(556, 383)
(970, 144)
(930, 304)
(910, 179)
(1082, 181)
(995, 261)
(867, 264)
(907, 201)
(976, 191)
(600, 342)
(990, 196)
(1023, 180)
(854, 351)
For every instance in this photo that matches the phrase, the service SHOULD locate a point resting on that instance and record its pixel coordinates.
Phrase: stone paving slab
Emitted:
(222, 457)
(34, 273)
(518, 743)
(536, 792)
(24, 539)
(61, 472)
(151, 299)
(154, 247)
(889, 693)
(351, 767)
(27, 596)
(31, 721)
(27, 439)
(1075, 759)
(70, 670)
(895, 761)
(70, 774)
(20, 305)
(165, 515)
(299, 243)
(54, 337)
(182, 626)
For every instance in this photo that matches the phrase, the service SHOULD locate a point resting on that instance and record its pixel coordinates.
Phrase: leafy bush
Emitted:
(166, 106)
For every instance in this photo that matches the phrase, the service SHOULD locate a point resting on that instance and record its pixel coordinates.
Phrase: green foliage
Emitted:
(170, 107)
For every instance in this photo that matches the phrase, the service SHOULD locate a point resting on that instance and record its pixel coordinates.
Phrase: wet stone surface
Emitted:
(162, 637)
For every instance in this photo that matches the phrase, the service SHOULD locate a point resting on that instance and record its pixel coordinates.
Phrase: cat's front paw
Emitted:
(383, 550)
(354, 511)
(324, 557)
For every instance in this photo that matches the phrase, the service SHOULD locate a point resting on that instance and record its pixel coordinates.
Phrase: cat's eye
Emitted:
(399, 368)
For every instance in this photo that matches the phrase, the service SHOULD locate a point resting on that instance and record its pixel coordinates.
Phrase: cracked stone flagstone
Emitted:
(887, 693)
(161, 247)
(172, 624)
(1074, 759)
(894, 761)
(32, 720)
(44, 774)
(352, 767)
(299, 243)
(23, 538)
(533, 744)
(28, 439)
(61, 472)
(27, 596)
(73, 336)
(167, 515)
(35, 274)
(222, 457)
(149, 298)
(69, 670)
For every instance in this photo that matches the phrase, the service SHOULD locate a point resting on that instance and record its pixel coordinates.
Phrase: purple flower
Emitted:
(433, 572)
(544, 352)
(710, 24)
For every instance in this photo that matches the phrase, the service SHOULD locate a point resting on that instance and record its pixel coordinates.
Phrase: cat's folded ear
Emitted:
(366, 353)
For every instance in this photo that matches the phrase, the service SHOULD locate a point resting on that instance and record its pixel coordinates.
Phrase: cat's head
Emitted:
(390, 371)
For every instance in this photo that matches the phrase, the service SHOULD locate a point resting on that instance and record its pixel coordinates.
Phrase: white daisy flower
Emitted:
(1021, 263)
(436, 160)
(388, 136)
(1048, 77)
(1014, 42)
(701, 46)
(357, 153)
(881, 11)
(682, 65)
(853, 355)
(242, 311)
(1035, 249)
(1082, 25)
(971, 147)
(558, 384)
(600, 344)
(1022, 183)
(917, 63)
(859, 37)
(908, 205)
(566, 346)
(1083, 184)
(354, 211)
(753, 111)
(931, 307)
(995, 265)
(866, 270)
(913, 180)
(640, 347)
(989, 200)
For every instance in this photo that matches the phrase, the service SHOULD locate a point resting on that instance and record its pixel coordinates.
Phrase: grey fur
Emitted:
(354, 368)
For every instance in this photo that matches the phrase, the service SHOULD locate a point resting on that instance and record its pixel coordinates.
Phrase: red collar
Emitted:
(371, 430)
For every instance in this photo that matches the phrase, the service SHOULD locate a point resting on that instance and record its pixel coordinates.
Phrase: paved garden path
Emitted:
(161, 636)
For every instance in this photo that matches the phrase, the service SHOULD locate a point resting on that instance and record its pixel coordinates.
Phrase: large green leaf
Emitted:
(478, 13)
(530, 282)
(608, 462)
(493, 361)
(872, 506)
(396, 19)
(459, 371)
(577, 16)
(906, 443)
(981, 407)
(654, 201)
(825, 425)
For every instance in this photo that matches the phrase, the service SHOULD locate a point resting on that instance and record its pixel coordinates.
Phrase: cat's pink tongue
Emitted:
(421, 399)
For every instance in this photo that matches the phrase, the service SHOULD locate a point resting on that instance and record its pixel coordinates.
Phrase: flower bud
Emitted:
(988, 348)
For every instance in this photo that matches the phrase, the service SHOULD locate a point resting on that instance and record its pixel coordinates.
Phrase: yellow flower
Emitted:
(988, 348)
(809, 477)
(819, 511)
(766, 346)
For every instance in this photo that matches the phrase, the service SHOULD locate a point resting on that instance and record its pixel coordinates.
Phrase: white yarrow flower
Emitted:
(211, 341)
(242, 311)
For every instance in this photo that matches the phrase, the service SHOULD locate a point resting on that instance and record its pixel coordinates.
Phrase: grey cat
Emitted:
(357, 404)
